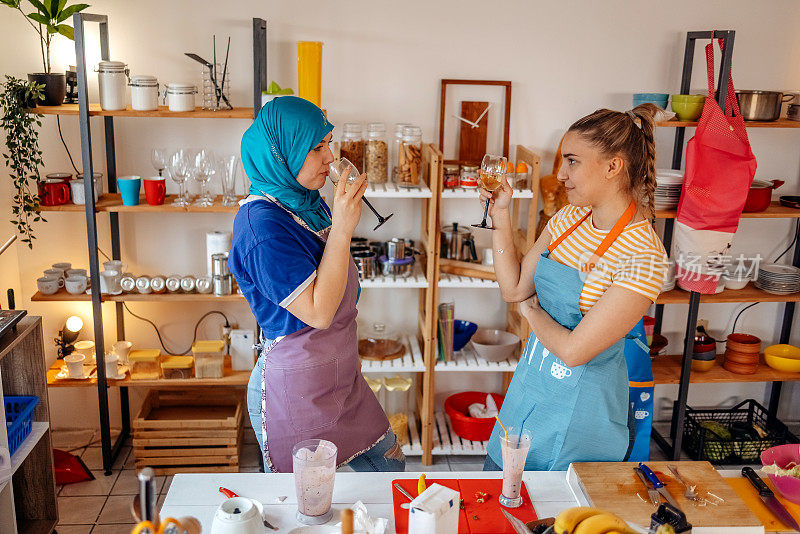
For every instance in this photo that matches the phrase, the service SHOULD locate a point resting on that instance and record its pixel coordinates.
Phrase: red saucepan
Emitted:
(760, 195)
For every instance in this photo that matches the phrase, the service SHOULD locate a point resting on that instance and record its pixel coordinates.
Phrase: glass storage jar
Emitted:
(177, 367)
(397, 404)
(398, 138)
(112, 78)
(180, 96)
(469, 177)
(144, 93)
(452, 175)
(380, 343)
(352, 145)
(376, 153)
(409, 157)
(209, 358)
(145, 364)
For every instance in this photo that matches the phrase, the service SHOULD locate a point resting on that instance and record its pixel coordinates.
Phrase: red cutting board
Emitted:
(490, 518)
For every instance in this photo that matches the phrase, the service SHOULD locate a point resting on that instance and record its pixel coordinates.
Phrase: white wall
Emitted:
(383, 61)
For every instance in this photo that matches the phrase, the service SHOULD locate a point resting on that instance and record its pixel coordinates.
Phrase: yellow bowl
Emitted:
(783, 358)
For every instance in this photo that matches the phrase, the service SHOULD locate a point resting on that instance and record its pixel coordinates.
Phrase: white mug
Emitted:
(75, 284)
(111, 360)
(78, 272)
(47, 285)
(122, 349)
(78, 192)
(58, 273)
(75, 365)
(109, 282)
(63, 266)
(86, 348)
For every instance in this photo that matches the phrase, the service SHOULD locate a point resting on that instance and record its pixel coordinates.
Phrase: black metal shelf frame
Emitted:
(111, 450)
(679, 406)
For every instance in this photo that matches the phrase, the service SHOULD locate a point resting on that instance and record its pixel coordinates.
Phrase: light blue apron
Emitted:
(573, 413)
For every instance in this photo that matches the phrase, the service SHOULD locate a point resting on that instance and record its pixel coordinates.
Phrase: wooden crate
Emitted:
(189, 431)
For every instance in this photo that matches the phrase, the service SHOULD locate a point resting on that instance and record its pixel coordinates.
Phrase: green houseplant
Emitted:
(22, 155)
(49, 17)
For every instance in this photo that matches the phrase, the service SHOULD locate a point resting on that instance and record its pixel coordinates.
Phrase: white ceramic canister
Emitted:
(180, 96)
(144, 93)
(112, 77)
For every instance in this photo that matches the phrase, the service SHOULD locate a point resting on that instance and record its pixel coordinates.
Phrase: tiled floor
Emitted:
(103, 505)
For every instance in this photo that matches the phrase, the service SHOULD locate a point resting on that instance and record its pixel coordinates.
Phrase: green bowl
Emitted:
(689, 98)
(687, 111)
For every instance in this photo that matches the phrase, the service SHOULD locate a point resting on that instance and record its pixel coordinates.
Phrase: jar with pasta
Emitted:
(352, 146)
(398, 138)
(409, 158)
(376, 153)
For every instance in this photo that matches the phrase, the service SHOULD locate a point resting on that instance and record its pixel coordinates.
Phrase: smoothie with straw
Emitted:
(515, 445)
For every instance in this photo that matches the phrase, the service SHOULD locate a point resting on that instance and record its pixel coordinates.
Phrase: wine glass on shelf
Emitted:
(158, 158)
(230, 168)
(344, 169)
(179, 168)
(204, 168)
(491, 178)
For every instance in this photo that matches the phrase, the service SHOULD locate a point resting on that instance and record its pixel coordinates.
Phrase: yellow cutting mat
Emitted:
(749, 495)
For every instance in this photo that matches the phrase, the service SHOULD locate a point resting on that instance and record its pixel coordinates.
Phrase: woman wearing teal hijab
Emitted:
(291, 258)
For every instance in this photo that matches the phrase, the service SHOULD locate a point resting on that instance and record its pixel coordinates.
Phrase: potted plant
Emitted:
(49, 16)
(22, 155)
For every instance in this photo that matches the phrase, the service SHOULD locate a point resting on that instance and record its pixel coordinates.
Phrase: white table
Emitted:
(197, 495)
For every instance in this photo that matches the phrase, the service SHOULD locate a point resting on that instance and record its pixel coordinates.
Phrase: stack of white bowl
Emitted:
(668, 189)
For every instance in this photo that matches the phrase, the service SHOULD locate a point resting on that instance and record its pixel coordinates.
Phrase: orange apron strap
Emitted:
(571, 229)
(649, 384)
(619, 226)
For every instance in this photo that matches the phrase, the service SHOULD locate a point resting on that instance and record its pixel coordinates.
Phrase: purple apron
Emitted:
(313, 388)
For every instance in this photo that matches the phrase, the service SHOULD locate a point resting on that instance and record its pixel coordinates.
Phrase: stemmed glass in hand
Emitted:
(493, 169)
(159, 157)
(180, 164)
(205, 166)
(343, 168)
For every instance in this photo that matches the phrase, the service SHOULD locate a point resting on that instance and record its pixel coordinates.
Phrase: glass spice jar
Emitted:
(452, 175)
(409, 157)
(469, 176)
(398, 138)
(352, 146)
(376, 153)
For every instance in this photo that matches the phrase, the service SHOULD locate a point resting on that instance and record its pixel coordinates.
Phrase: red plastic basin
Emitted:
(464, 426)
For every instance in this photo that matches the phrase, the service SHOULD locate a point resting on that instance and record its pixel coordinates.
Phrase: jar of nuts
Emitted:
(398, 138)
(352, 146)
(409, 157)
(376, 153)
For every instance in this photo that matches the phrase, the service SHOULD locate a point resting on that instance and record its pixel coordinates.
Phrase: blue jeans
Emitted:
(382, 457)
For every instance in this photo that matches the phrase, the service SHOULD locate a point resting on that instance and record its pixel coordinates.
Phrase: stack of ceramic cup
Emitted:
(704, 355)
(742, 354)
(75, 281)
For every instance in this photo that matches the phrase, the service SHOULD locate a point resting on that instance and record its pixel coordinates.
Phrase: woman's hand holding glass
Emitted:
(499, 199)
(347, 204)
(491, 178)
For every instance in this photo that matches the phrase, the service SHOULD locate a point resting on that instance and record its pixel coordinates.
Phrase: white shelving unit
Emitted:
(37, 432)
(392, 190)
(416, 280)
(414, 448)
(468, 360)
(464, 282)
(411, 362)
(460, 192)
(445, 440)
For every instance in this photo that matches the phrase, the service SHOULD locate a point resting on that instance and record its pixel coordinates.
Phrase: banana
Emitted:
(569, 519)
(602, 523)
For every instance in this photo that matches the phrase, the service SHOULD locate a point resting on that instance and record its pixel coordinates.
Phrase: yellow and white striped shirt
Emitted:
(636, 260)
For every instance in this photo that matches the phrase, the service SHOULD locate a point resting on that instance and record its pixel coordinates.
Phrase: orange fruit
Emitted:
(509, 166)
(522, 167)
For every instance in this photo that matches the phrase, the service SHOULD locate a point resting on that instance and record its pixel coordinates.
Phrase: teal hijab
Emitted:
(274, 148)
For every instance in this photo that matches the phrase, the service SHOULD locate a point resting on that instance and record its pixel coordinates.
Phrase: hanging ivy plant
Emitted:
(22, 155)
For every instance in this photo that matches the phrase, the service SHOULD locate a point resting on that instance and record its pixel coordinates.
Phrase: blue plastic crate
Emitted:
(19, 419)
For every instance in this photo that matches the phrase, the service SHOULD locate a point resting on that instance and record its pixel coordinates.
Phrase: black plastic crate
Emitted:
(702, 443)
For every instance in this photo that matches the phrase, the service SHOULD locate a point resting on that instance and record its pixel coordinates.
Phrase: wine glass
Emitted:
(230, 168)
(205, 166)
(342, 168)
(491, 178)
(159, 157)
(180, 167)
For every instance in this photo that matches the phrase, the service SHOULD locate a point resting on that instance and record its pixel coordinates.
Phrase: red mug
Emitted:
(155, 189)
(53, 192)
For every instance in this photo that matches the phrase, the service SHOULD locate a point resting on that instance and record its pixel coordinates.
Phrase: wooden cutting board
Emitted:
(749, 495)
(614, 487)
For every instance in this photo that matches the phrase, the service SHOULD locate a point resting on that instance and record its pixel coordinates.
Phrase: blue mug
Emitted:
(129, 187)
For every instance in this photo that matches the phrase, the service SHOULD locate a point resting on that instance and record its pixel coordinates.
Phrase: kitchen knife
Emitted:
(519, 526)
(651, 491)
(658, 485)
(769, 499)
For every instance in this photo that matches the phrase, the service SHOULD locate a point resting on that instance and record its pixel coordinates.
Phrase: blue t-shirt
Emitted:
(273, 259)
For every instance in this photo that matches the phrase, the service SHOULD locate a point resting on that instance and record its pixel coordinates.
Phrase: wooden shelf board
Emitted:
(63, 296)
(748, 294)
(231, 378)
(780, 123)
(37, 432)
(162, 111)
(667, 370)
(775, 211)
(112, 202)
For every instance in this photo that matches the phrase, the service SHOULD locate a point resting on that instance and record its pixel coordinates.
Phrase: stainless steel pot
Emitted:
(458, 244)
(762, 105)
(365, 262)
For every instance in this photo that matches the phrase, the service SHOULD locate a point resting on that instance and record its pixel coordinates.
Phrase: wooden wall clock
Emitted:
(473, 122)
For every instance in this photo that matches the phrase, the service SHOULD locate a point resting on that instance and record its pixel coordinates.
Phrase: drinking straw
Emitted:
(502, 425)
(522, 425)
